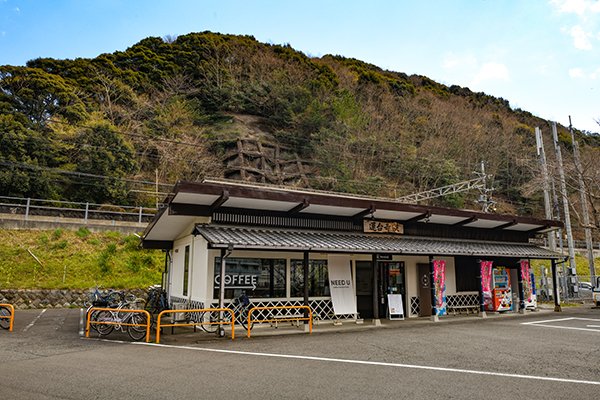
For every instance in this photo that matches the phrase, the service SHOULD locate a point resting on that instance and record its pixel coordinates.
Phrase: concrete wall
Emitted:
(42, 298)
(35, 222)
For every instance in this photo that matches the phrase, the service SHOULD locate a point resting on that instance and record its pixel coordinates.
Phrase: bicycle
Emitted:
(240, 307)
(96, 298)
(132, 323)
(5, 315)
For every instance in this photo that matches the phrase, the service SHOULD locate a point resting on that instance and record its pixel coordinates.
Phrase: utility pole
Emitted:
(485, 196)
(563, 190)
(547, 205)
(584, 207)
(156, 187)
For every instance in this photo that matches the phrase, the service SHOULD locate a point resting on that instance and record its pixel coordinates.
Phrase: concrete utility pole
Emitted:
(584, 207)
(546, 184)
(563, 190)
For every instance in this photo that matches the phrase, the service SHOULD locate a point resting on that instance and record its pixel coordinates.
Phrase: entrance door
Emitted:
(392, 282)
(424, 290)
(364, 288)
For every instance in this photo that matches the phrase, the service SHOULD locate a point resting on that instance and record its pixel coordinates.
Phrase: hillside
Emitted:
(76, 260)
(104, 130)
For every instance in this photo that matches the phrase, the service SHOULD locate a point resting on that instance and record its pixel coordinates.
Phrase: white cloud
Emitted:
(581, 38)
(595, 75)
(492, 72)
(576, 73)
(579, 7)
(452, 60)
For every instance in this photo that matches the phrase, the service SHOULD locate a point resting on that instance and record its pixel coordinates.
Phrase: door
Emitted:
(364, 288)
(392, 282)
(424, 290)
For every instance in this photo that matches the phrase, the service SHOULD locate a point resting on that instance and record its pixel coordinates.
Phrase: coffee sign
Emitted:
(373, 226)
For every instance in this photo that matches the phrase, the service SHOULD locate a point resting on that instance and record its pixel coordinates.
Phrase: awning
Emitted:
(341, 242)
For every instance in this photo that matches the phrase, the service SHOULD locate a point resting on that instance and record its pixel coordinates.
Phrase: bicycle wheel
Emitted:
(137, 332)
(242, 318)
(4, 322)
(210, 321)
(104, 316)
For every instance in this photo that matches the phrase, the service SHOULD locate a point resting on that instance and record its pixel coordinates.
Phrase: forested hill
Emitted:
(104, 130)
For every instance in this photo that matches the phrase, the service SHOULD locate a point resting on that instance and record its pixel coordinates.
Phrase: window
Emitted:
(255, 276)
(186, 270)
(318, 282)
(467, 274)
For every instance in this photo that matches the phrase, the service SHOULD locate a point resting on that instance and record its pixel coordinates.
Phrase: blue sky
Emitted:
(541, 55)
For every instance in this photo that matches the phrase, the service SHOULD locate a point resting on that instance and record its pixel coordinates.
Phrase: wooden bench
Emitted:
(461, 309)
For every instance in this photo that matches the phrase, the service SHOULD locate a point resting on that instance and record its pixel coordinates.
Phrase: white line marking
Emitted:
(34, 320)
(360, 362)
(544, 324)
(548, 320)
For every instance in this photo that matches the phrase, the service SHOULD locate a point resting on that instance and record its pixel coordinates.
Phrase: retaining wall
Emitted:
(45, 298)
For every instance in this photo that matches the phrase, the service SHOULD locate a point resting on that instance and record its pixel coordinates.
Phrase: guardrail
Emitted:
(119, 323)
(26, 206)
(196, 323)
(281, 318)
(11, 317)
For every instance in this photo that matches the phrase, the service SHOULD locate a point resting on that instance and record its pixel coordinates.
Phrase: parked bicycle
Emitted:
(97, 298)
(132, 323)
(157, 300)
(240, 307)
(5, 315)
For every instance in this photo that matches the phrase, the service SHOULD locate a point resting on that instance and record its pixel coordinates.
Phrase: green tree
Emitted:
(101, 150)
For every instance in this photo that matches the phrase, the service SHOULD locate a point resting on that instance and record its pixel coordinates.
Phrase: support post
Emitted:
(555, 287)
(434, 316)
(222, 284)
(27, 209)
(521, 289)
(140, 216)
(305, 262)
(87, 212)
(376, 320)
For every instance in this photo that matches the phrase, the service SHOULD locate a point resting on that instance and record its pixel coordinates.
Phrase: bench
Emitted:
(461, 309)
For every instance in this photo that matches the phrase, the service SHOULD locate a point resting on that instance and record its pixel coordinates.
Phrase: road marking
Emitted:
(34, 320)
(545, 324)
(360, 362)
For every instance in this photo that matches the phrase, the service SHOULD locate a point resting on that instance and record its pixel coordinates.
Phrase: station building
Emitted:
(349, 257)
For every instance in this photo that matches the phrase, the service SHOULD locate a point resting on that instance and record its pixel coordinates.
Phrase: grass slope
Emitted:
(76, 260)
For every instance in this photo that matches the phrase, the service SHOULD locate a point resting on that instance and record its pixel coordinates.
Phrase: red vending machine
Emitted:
(501, 289)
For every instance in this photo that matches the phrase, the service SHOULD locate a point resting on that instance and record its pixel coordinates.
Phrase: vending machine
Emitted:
(501, 289)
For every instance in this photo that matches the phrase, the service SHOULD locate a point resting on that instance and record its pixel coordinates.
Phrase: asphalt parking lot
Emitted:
(539, 355)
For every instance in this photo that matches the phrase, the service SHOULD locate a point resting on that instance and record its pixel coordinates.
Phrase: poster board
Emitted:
(343, 295)
(395, 307)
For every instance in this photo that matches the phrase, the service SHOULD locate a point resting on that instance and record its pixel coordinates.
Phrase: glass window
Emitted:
(255, 276)
(318, 282)
(186, 270)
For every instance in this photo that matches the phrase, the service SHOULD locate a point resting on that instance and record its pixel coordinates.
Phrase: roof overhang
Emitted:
(337, 242)
(191, 200)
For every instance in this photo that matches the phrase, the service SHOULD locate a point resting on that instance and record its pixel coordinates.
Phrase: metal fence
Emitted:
(571, 288)
(70, 209)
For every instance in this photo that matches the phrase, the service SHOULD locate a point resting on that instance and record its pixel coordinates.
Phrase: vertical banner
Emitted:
(526, 278)
(486, 284)
(439, 280)
(341, 286)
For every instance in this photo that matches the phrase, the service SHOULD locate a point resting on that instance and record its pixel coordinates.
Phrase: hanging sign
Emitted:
(373, 226)
(343, 295)
(439, 282)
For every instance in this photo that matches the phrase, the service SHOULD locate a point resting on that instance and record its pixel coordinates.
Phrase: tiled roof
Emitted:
(342, 242)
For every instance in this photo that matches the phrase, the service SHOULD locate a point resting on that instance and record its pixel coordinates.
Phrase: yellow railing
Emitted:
(117, 310)
(11, 317)
(282, 318)
(196, 323)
